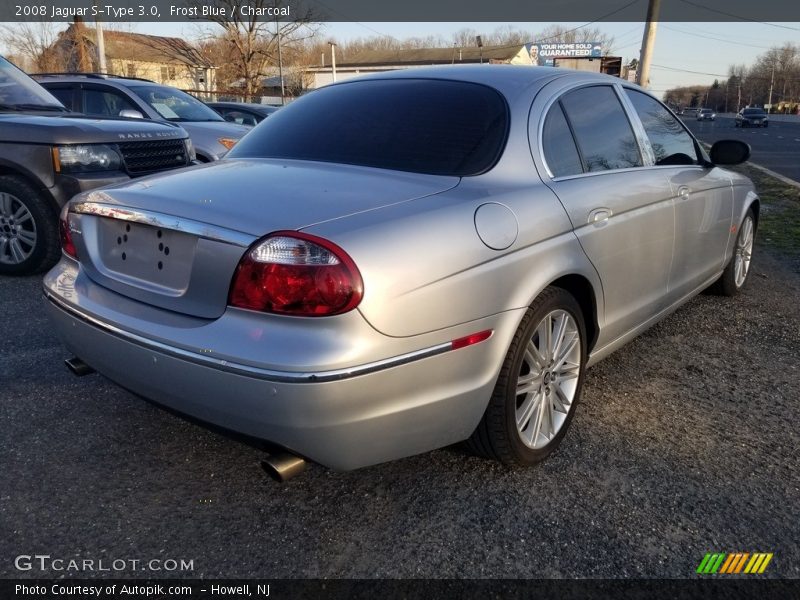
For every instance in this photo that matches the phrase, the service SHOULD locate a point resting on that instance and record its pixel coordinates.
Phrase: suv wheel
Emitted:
(28, 229)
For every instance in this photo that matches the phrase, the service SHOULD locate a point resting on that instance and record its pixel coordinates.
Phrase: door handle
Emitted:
(684, 192)
(599, 216)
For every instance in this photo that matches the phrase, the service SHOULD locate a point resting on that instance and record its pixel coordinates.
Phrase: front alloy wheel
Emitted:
(28, 228)
(737, 270)
(744, 251)
(17, 230)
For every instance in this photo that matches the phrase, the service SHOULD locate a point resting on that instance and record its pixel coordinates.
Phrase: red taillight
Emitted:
(67, 245)
(294, 273)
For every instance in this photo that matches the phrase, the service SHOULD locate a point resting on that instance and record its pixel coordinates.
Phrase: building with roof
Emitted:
(376, 61)
(168, 60)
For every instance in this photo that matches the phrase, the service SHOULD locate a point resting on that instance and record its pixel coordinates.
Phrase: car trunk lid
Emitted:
(175, 242)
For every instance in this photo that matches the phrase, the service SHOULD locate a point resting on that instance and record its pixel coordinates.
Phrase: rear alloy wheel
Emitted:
(28, 229)
(735, 274)
(539, 385)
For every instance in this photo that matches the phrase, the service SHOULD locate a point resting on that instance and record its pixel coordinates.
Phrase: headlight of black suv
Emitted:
(86, 158)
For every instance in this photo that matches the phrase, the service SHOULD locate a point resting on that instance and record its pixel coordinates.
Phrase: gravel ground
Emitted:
(686, 442)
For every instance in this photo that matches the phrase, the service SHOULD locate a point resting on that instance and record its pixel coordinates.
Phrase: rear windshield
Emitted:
(419, 125)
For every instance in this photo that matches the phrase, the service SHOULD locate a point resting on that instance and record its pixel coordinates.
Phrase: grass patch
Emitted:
(779, 221)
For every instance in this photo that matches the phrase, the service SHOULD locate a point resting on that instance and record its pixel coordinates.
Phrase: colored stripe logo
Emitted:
(734, 563)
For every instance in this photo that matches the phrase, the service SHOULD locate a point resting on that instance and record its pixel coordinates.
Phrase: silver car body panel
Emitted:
(344, 422)
(382, 381)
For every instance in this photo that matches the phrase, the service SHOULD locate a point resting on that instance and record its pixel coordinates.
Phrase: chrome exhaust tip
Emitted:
(282, 466)
(78, 367)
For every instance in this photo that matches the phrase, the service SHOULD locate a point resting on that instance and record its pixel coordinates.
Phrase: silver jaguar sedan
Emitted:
(404, 261)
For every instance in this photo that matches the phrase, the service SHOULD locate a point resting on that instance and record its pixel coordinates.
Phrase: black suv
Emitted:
(48, 154)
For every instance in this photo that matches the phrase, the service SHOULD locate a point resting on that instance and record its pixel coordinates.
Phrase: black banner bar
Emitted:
(443, 11)
(731, 588)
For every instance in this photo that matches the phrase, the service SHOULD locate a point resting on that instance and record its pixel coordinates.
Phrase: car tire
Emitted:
(29, 241)
(737, 271)
(524, 428)
(766, 124)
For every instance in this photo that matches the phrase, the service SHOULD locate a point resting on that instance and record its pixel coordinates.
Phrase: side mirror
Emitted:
(131, 114)
(729, 152)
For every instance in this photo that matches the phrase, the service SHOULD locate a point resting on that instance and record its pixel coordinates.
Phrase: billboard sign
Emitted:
(543, 54)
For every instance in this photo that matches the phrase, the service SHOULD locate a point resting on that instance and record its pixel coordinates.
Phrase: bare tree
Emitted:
(465, 38)
(253, 42)
(32, 42)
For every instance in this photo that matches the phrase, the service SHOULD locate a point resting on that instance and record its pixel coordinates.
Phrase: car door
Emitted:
(103, 101)
(703, 197)
(65, 92)
(621, 210)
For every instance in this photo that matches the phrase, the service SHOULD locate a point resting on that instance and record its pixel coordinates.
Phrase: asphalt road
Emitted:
(776, 147)
(685, 443)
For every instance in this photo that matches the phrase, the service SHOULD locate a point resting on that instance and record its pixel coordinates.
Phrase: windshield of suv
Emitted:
(753, 111)
(20, 92)
(173, 104)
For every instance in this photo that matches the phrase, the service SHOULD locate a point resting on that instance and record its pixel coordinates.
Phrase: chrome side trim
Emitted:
(155, 219)
(247, 370)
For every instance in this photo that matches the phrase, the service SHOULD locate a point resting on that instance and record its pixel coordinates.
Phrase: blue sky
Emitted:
(685, 53)
(705, 48)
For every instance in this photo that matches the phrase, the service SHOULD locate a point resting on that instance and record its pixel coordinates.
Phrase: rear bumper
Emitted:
(344, 418)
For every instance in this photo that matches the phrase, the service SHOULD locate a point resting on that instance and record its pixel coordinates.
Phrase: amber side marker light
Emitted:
(227, 142)
(56, 160)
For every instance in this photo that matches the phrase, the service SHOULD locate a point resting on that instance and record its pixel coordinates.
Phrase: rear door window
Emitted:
(604, 136)
(104, 102)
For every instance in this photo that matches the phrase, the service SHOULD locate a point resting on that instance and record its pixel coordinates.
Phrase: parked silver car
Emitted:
(404, 261)
(107, 96)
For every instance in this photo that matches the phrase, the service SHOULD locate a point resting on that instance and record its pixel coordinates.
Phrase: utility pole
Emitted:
(771, 84)
(101, 48)
(101, 45)
(333, 60)
(648, 41)
(280, 60)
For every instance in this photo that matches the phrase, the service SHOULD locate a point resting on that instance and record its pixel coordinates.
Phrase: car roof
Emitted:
(94, 78)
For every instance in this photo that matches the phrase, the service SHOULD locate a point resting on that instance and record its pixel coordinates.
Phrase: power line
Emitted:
(755, 40)
(687, 71)
(729, 76)
(708, 37)
(739, 17)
